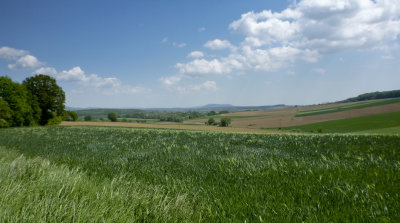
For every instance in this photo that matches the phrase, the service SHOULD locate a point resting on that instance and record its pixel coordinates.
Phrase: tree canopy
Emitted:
(36, 101)
(50, 96)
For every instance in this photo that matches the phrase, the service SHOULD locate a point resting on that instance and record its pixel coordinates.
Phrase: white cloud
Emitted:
(8, 53)
(164, 40)
(171, 80)
(201, 29)
(26, 62)
(306, 31)
(319, 70)
(218, 44)
(196, 54)
(51, 71)
(325, 26)
(206, 86)
(179, 45)
(202, 66)
(104, 85)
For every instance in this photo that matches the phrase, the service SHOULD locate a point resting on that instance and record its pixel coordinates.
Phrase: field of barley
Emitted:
(117, 174)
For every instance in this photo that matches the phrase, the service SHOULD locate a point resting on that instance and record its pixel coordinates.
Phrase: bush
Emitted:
(70, 116)
(225, 122)
(112, 117)
(88, 118)
(211, 113)
(210, 121)
(55, 120)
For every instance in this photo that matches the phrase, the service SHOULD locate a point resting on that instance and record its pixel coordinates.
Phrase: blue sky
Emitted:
(190, 53)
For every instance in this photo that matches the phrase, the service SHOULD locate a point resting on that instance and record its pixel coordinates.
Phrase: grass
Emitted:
(113, 174)
(348, 107)
(364, 123)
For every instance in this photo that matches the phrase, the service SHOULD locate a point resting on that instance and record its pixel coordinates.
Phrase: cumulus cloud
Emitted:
(196, 54)
(179, 45)
(218, 44)
(319, 70)
(105, 85)
(206, 86)
(171, 80)
(306, 31)
(27, 62)
(22, 59)
(8, 53)
(325, 26)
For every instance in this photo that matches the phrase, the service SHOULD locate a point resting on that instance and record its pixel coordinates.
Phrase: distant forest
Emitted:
(374, 95)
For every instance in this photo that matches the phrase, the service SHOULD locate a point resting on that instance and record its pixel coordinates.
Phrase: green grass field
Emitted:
(371, 123)
(106, 174)
(350, 106)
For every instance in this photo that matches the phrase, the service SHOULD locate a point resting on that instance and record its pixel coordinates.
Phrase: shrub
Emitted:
(210, 121)
(112, 117)
(55, 120)
(225, 122)
(88, 118)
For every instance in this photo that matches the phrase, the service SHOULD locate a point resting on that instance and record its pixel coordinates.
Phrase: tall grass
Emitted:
(94, 174)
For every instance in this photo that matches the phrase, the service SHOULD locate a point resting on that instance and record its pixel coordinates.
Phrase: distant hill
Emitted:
(374, 95)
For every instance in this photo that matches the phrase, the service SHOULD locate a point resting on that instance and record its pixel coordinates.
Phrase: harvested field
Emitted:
(169, 126)
(286, 117)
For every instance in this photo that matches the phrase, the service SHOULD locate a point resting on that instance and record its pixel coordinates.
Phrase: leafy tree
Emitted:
(210, 121)
(211, 113)
(18, 100)
(88, 118)
(50, 96)
(70, 116)
(5, 114)
(223, 112)
(55, 120)
(225, 122)
(112, 117)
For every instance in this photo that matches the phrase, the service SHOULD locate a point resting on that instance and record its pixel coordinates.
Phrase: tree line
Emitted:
(374, 95)
(38, 100)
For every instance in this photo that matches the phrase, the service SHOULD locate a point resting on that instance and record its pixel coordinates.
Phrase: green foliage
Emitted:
(17, 98)
(55, 120)
(88, 118)
(225, 121)
(112, 117)
(5, 114)
(210, 121)
(50, 96)
(96, 174)
(211, 113)
(374, 95)
(223, 112)
(70, 116)
(370, 122)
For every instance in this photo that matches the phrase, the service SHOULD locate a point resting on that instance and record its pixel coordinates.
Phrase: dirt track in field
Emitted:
(286, 117)
(170, 126)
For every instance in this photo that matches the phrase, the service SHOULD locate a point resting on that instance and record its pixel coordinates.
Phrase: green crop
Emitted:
(96, 174)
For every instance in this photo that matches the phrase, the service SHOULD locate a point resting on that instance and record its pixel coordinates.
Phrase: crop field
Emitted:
(347, 106)
(366, 123)
(115, 174)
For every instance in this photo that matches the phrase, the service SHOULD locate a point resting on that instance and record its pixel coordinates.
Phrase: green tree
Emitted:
(70, 116)
(112, 117)
(5, 114)
(210, 121)
(211, 113)
(50, 96)
(20, 102)
(88, 118)
(225, 122)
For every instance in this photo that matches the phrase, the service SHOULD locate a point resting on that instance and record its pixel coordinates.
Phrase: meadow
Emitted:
(116, 174)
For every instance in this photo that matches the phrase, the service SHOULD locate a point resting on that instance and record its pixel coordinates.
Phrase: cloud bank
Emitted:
(305, 31)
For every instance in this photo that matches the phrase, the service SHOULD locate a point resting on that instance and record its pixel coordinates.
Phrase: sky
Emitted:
(184, 53)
